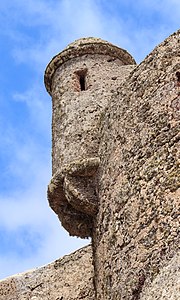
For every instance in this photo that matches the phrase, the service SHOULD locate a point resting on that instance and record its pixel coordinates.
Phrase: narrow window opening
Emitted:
(178, 76)
(82, 82)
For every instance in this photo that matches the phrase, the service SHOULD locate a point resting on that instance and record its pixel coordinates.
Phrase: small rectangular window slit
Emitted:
(82, 82)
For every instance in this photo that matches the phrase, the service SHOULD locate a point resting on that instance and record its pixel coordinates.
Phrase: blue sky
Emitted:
(31, 33)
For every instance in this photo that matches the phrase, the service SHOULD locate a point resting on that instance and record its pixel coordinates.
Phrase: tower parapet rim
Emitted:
(82, 47)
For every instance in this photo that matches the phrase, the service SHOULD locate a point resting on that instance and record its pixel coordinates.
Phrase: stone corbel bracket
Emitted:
(72, 195)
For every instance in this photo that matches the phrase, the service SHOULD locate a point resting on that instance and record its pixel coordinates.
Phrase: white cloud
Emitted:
(27, 209)
(60, 22)
(38, 104)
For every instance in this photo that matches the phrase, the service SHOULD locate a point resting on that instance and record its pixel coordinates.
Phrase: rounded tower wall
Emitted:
(81, 88)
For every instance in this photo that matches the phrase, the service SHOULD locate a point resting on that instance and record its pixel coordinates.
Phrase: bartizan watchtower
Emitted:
(81, 79)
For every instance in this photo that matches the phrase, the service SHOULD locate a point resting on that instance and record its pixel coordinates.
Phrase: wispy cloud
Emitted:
(57, 23)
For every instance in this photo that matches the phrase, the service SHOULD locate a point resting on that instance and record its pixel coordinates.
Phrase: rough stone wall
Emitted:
(136, 229)
(56, 281)
(68, 278)
(166, 285)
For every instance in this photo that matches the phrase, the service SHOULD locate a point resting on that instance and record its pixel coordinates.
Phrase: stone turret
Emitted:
(81, 80)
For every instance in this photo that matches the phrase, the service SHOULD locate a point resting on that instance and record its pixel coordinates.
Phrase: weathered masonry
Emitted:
(115, 175)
